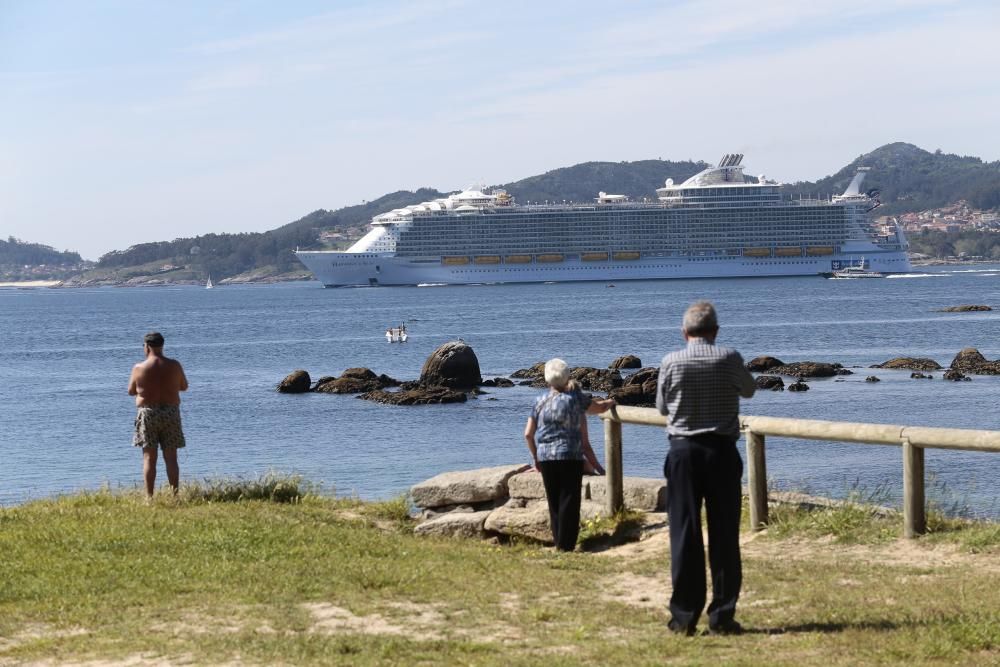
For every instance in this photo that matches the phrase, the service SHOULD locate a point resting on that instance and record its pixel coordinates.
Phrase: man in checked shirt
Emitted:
(699, 391)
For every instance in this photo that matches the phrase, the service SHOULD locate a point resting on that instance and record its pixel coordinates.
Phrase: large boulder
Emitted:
(761, 364)
(971, 360)
(415, 396)
(296, 382)
(627, 361)
(910, 364)
(452, 365)
(455, 524)
(465, 486)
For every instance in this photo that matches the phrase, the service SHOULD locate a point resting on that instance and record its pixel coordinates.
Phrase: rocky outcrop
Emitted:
(534, 373)
(596, 379)
(296, 382)
(955, 376)
(465, 486)
(638, 389)
(810, 369)
(416, 396)
(798, 385)
(910, 364)
(971, 360)
(354, 381)
(627, 361)
(969, 308)
(772, 382)
(453, 365)
(761, 364)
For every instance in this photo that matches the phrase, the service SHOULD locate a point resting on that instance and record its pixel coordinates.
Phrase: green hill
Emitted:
(912, 179)
(20, 260)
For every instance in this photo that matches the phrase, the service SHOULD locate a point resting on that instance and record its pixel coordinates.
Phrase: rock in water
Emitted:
(971, 360)
(760, 364)
(416, 396)
(955, 376)
(627, 361)
(872, 378)
(798, 385)
(772, 382)
(296, 382)
(452, 365)
(810, 369)
(966, 308)
(911, 364)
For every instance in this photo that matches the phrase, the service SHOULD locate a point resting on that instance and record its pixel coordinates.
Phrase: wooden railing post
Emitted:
(613, 462)
(914, 515)
(757, 480)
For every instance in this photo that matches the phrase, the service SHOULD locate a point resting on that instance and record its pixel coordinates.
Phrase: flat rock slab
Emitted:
(455, 524)
(466, 486)
(640, 493)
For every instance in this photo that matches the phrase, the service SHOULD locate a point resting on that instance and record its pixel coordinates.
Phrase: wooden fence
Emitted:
(912, 439)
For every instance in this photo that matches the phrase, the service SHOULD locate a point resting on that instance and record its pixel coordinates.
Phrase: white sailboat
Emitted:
(209, 285)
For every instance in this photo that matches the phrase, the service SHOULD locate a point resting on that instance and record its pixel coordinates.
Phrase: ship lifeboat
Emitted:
(819, 250)
(788, 252)
(455, 260)
(594, 257)
(625, 254)
(517, 259)
(549, 258)
(756, 252)
(487, 259)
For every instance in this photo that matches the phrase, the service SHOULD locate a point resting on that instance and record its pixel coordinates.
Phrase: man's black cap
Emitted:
(153, 339)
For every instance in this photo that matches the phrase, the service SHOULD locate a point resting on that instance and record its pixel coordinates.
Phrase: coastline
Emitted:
(30, 284)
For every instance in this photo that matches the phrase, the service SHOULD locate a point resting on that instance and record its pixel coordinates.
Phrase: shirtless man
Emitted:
(156, 384)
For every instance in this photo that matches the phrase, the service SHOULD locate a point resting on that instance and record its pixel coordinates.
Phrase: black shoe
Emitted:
(679, 628)
(727, 628)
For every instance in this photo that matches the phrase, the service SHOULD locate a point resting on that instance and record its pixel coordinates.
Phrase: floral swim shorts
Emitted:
(158, 425)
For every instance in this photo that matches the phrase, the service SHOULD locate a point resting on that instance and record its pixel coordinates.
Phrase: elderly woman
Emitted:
(559, 424)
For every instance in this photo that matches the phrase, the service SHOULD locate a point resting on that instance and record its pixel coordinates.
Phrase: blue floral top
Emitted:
(557, 416)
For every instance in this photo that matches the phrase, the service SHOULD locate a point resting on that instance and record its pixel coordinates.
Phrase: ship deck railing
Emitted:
(913, 441)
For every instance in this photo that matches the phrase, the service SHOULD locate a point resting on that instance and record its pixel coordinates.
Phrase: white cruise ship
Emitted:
(718, 223)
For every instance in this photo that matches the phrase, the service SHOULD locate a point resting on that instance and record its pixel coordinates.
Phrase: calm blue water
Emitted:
(65, 357)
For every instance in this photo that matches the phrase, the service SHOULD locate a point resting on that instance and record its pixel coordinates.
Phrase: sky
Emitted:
(130, 121)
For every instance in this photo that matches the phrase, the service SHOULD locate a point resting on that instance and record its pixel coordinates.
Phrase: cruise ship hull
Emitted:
(344, 269)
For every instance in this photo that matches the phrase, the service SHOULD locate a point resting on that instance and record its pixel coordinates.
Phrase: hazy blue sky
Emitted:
(128, 121)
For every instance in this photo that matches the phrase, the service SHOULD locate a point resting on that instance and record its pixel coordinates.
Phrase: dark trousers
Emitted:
(704, 468)
(562, 480)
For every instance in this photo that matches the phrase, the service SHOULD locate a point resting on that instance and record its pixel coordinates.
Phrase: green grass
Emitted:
(269, 576)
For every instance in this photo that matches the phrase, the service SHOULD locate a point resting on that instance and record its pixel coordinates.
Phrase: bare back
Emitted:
(157, 381)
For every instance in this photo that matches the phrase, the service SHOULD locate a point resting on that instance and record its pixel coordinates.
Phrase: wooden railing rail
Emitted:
(912, 439)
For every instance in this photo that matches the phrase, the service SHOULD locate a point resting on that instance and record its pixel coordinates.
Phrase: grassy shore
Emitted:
(264, 573)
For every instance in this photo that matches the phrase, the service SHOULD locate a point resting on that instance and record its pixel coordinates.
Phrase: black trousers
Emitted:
(562, 480)
(704, 468)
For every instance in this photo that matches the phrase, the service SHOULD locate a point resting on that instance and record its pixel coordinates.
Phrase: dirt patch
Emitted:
(637, 590)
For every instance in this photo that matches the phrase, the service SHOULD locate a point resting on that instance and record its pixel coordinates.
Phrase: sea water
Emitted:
(65, 355)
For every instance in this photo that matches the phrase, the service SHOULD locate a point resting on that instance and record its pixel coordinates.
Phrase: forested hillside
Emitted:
(912, 179)
(33, 261)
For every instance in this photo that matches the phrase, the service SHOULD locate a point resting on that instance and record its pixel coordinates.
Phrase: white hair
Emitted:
(556, 373)
(700, 319)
